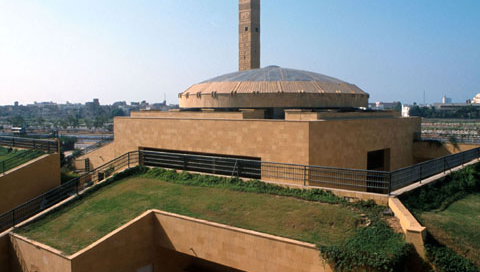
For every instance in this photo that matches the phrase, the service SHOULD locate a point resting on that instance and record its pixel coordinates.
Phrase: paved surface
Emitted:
(432, 179)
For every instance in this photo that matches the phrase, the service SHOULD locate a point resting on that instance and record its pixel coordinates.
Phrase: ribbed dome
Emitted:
(272, 87)
(273, 73)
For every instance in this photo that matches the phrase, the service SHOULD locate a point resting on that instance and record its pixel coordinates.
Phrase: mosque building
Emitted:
(271, 114)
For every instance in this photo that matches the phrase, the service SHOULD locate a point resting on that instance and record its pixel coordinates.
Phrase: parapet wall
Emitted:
(29, 180)
(414, 232)
(170, 242)
(428, 150)
(30, 256)
(98, 157)
(125, 249)
(233, 247)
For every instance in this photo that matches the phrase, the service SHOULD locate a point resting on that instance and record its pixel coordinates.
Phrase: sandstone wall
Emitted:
(233, 247)
(346, 143)
(29, 256)
(424, 151)
(126, 249)
(29, 180)
(99, 157)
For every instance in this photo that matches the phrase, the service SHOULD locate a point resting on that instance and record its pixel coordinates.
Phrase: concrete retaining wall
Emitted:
(170, 242)
(414, 232)
(30, 256)
(29, 180)
(233, 247)
(126, 249)
(99, 157)
(423, 151)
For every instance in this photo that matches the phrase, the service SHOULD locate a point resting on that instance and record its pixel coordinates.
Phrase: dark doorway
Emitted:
(378, 160)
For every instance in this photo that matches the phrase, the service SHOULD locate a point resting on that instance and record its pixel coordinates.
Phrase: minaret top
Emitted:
(249, 34)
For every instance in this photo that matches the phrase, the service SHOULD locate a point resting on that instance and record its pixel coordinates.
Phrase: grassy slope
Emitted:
(458, 226)
(5, 155)
(77, 226)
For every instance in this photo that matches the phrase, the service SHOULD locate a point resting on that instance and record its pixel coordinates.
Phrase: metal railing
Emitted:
(49, 146)
(19, 159)
(447, 138)
(362, 180)
(66, 190)
(329, 177)
(95, 146)
(417, 172)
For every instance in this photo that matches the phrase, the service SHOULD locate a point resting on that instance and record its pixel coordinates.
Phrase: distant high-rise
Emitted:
(249, 34)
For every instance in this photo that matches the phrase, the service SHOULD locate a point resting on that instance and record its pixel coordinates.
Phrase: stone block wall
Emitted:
(29, 180)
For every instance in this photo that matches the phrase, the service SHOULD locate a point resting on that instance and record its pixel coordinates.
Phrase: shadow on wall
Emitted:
(168, 259)
(428, 150)
(5, 253)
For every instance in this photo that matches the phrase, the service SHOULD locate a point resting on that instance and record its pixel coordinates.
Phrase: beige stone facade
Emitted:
(424, 151)
(29, 180)
(339, 142)
(170, 242)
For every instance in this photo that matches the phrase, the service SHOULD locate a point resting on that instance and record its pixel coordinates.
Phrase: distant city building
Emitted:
(476, 99)
(383, 105)
(406, 110)
(446, 100)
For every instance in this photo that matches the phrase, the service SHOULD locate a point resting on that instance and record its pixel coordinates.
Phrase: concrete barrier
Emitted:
(171, 242)
(414, 232)
(31, 179)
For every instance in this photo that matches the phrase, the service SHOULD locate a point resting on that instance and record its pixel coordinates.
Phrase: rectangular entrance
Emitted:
(378, 160)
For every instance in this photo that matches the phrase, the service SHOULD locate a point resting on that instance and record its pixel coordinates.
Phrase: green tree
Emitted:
(398, 107)
(88, 123)
(73, 121)
(40, 121)
(99, 122)
(16, 121)
(116, 112)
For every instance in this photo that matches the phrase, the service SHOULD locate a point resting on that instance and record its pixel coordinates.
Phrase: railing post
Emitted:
(76, 186)
(421, 170)
(389, 183)
(304, 175)
(13, 218)
(238, 168)
(128, 155)
(444, 165)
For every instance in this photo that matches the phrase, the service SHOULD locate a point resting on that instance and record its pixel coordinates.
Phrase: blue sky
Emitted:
(59, 50)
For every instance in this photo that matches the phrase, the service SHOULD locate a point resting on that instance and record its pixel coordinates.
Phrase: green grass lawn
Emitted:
(458, 227)
(87, 220)
(11, 158)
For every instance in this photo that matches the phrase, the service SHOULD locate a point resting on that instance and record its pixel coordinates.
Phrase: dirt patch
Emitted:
(394, 223)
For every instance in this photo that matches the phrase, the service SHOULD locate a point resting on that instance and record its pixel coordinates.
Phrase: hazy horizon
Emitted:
(132, 51)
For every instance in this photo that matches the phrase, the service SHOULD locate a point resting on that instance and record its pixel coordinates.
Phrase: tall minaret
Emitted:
(249, 34)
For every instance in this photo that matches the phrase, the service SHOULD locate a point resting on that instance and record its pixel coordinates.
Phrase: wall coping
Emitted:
(39, 245)
(163, 213)
(414, 232)
(258, 120)
(26, 163)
